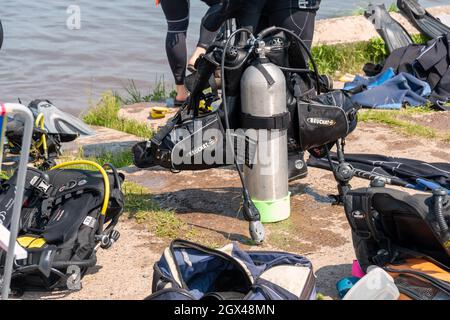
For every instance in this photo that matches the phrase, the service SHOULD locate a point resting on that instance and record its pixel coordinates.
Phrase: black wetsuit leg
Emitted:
(207, 37)
(298, 16)
(177, 16)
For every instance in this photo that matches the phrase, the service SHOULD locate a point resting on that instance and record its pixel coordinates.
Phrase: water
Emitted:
(120, 40)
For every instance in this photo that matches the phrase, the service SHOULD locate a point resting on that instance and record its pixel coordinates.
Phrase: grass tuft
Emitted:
(134, 95)
(106, 114)
(351, 57)
(348, 57)
(119, 160)
(140, 205)
(393, 118)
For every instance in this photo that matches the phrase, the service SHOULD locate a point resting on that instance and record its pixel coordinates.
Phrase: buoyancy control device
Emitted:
(66, 215)
(389, 225)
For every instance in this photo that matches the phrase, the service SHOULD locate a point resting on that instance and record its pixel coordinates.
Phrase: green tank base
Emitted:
(274, 210)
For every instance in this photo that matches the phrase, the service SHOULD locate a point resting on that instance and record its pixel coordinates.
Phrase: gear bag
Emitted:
(188, 271)
(193, 143)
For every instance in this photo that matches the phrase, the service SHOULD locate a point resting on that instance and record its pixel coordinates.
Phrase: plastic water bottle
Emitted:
(376, 285)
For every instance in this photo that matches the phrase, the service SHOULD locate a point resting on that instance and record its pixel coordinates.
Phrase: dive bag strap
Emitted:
(163, 131)
(361, 205)
(277, 122)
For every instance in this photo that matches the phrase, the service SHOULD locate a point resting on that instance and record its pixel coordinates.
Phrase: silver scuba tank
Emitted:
(263, 96)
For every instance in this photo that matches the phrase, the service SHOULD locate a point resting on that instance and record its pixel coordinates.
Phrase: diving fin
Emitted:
(59, 122)
(1, 35)
(422, 19)
(392, 32)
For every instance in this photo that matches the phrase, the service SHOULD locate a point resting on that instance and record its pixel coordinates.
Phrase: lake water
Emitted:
(117, 41)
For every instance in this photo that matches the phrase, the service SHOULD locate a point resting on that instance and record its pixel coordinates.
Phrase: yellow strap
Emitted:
(100, 169)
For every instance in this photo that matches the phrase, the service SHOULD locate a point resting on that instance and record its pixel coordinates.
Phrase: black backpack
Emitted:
(62, 225)
(389, 225)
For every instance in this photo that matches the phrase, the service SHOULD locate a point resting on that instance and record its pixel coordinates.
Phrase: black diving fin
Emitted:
(1, 34)
(422, 19)
(392, 32)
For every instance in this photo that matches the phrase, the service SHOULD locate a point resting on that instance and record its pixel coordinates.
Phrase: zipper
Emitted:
(274, 262)
(190, 245)
(439, 284)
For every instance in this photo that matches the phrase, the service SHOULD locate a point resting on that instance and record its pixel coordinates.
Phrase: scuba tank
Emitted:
(265, 115)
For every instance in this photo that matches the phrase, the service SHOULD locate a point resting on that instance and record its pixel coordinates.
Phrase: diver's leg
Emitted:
(177, 16)
(206, 37)
(250, 14)
(292, 15)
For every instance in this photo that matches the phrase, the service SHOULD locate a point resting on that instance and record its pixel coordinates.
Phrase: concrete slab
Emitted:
(105, 140)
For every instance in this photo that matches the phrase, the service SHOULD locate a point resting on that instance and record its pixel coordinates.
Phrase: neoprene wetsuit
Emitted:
(296, 15)
(177, 16)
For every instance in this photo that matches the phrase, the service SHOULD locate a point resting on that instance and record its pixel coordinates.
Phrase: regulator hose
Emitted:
(100, 169)
(439, 196)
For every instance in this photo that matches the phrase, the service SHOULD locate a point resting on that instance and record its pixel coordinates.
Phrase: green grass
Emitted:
(447, 138)
(134, 95)
(351, 57)
(119, 160)
(348, 57)
(106, 114)
(360, 10)
(393, 118)
(140, 205)
(393, 8)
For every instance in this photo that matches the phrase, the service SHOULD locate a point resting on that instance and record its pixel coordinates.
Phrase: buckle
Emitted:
(40, 184)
